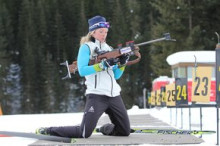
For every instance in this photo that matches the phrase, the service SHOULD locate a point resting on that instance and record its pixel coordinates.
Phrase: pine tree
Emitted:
(188, 22)
(173, 18)
(119, 32)
(4, 25)
(35, 36)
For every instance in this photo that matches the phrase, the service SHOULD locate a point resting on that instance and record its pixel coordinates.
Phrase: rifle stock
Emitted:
(131, 50)
(108, 55)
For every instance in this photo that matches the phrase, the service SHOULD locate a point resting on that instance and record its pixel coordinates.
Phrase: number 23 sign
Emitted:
(201, 84)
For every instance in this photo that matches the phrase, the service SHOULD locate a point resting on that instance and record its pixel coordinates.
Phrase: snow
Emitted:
(209, 120)
(164, 79)
(189, 57)
(28, 123)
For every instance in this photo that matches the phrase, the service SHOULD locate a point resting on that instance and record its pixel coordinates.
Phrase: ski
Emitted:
(36, 136)
(167, 131)
(172, 131)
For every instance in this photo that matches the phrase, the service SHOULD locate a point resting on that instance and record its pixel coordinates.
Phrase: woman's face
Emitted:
(100, 34)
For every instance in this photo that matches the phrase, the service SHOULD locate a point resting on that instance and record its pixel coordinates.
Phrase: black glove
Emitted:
(110, 62)
(123, 59)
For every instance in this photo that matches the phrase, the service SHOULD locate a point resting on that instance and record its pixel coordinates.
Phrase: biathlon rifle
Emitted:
(130, 50)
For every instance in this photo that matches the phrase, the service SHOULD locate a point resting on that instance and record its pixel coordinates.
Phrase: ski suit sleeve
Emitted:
(118, 72)
(83, 61)
(85, 69)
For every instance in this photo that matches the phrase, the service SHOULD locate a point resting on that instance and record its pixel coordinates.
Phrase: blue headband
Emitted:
(97, 22)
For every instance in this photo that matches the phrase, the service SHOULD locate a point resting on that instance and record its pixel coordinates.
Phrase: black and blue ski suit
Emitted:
(103, 96)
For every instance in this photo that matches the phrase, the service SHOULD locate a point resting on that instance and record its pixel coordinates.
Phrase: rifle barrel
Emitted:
(166, 37)
(149, 42)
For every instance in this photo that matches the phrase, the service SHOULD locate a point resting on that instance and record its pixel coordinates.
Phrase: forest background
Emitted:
(37, 35)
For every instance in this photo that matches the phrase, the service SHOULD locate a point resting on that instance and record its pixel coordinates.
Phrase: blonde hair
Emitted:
(86, 38)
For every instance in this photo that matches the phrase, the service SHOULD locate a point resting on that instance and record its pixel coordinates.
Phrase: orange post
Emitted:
(1, 113)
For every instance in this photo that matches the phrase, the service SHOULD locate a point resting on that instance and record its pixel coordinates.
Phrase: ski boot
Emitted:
(42, 131)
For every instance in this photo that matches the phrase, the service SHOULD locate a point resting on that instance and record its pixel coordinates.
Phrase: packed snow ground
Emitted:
(28, 123)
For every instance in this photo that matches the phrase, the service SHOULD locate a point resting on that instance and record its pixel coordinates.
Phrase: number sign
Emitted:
(158, 98)
(153, 97)
(181, 91)
(163, 95)
(170, 95)
(201, 84)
